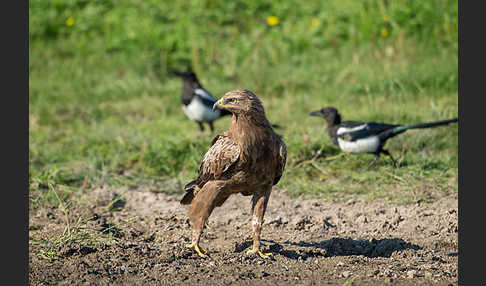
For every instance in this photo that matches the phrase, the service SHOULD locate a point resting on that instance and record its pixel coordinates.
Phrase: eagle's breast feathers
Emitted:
(221, 162)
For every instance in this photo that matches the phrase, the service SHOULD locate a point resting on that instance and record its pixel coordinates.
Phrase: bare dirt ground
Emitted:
(314, 242)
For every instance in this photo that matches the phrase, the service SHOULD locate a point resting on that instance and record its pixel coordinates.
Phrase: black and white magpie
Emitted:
(197, 102)
(365, 137)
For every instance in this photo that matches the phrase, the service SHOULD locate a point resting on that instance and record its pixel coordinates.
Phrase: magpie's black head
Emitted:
(329, 113)
(188, 75)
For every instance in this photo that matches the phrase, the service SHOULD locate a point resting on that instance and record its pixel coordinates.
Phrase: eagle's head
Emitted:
(240, 101)
(330, 114)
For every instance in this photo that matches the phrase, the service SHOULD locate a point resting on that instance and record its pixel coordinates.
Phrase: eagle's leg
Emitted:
(195, 244)
(201, 207)
(259, 205)
(211, 126)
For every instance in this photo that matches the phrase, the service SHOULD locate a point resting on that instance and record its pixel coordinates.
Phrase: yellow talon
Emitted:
(200, 250)
(259, 252)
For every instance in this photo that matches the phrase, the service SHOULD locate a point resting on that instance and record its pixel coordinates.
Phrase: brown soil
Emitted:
(314, 242)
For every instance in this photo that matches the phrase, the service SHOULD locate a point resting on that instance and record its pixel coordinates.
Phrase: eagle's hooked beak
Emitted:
(217, 105)
(316, 113)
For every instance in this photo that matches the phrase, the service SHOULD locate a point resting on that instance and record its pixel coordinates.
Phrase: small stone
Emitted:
(411, 273)
(350, 202)
(346, 274)
(362, 219)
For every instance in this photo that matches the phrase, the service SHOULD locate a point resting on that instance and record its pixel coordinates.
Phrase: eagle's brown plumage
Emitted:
(249, 159)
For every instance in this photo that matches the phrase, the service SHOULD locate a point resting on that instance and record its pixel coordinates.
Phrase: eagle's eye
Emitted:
(233, 100)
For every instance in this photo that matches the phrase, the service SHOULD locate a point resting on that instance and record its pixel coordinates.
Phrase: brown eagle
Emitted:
(249, 158)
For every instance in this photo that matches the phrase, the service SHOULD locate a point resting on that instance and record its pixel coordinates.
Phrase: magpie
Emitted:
(365, 137)
(197, 102)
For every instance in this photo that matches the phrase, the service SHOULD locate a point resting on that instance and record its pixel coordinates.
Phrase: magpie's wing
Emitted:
(353, 130)
(205, 97)
(351, 124)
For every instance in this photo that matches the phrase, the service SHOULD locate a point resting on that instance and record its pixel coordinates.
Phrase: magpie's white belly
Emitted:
(365, 145)
(197, 111)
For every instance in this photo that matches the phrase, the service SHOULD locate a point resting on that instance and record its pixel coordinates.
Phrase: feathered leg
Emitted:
(201, 208)
(259, 205)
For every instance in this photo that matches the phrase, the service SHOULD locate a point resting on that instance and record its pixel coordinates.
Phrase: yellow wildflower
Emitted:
(315, 22)
(384, 32)
(70, 21)
(385, 18)
(272, 20)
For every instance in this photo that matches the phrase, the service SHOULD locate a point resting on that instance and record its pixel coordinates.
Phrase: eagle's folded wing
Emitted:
(217, 162)
(282, 158)
(222, 155)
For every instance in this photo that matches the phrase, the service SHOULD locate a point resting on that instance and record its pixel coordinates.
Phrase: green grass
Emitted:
(102, 108)
(77, 229)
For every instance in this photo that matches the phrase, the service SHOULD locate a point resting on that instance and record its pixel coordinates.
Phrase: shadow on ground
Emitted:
(336, 247)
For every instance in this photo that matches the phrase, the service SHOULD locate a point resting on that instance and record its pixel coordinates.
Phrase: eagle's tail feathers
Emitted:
(187, 199)
(189, 188)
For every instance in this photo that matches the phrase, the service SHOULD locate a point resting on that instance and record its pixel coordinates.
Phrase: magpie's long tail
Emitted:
(400, 129)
